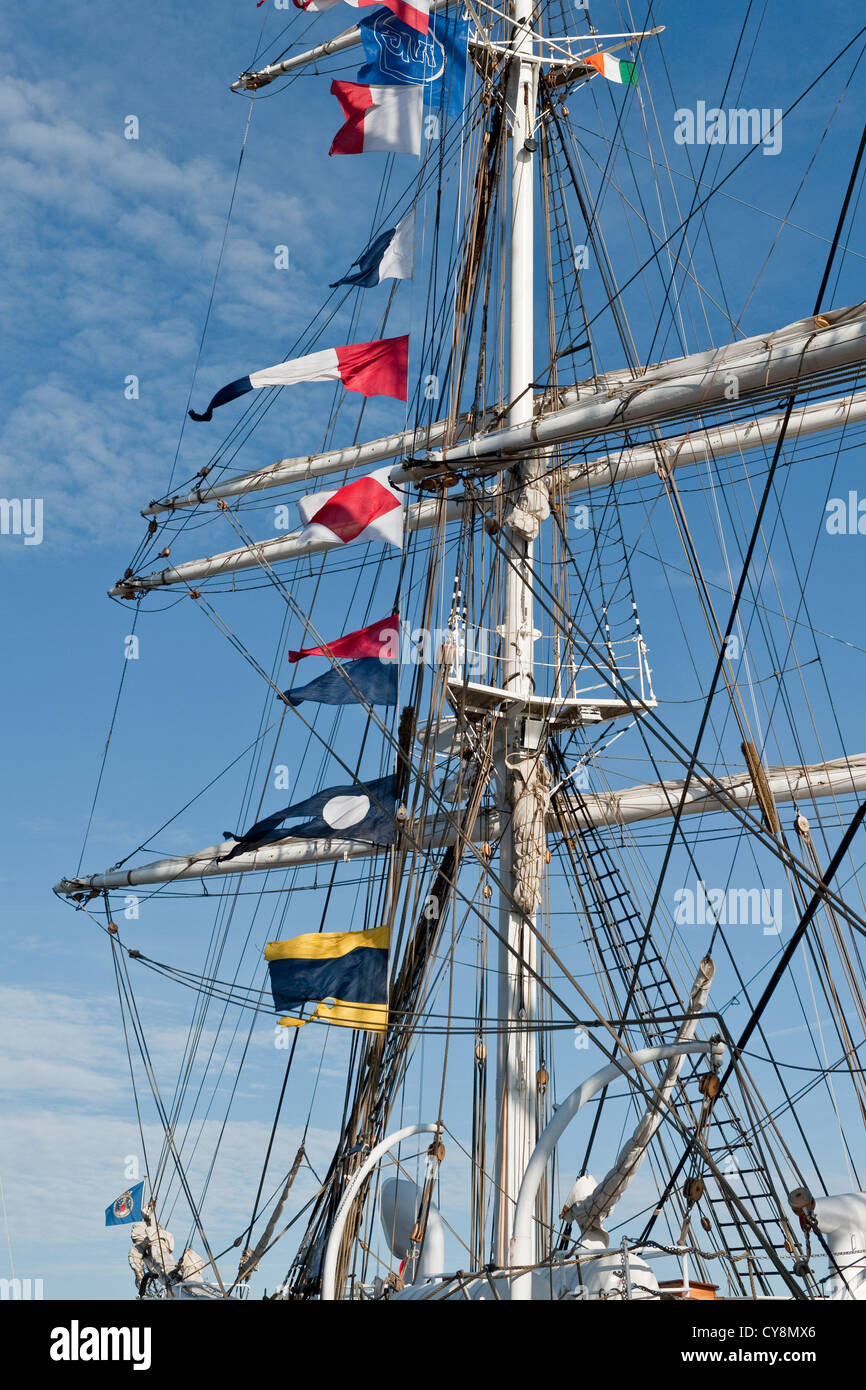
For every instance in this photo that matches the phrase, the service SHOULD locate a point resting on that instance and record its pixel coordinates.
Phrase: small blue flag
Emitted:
(390, 256)
(399, 56)
(126, 1207)
(367, 679)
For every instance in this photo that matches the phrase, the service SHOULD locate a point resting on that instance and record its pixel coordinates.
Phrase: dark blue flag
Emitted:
(369, 679)
(399, 56)
(357, 811)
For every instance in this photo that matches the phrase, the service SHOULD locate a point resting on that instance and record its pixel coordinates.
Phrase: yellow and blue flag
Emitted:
(126, 1207)
(344, 973)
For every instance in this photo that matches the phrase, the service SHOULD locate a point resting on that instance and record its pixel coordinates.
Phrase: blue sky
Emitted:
(109, 249)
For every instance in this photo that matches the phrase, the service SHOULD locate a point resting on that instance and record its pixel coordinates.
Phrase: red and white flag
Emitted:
(378, 118)
(368, 509)
(416, 15)
(375, 369)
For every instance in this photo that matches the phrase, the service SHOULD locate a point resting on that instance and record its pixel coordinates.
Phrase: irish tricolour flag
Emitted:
(613, 69)
(375, 369)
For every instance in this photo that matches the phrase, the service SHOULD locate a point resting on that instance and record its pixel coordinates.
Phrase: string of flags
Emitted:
(402, 76)
(345, 974)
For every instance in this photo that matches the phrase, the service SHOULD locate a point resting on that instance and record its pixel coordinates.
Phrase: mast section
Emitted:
(519, 770)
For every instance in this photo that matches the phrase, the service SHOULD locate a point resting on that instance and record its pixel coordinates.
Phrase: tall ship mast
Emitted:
(469, 898)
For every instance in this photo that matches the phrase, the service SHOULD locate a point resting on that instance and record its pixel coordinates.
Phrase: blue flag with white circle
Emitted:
(357, 811)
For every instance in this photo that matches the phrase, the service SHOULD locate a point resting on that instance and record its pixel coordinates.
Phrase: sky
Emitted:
(110, 250)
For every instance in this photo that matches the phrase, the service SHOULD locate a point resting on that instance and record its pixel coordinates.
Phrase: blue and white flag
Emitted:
(358, 811)
(397, 55)
(126, 1207)
(390, 256)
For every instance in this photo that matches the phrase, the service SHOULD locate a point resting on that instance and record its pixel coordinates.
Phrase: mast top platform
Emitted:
(554, 712)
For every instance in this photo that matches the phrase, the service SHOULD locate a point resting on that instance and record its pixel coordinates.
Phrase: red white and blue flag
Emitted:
(381, 119)
(416, 15)
(368, 509)
(390, 256)
(375, 369)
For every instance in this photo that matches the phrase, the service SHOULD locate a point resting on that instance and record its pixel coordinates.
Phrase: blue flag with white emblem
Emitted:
(397, 55)
(359, 811)
(126, 1207)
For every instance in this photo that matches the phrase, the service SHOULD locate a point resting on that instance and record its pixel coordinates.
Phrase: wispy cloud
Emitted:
(118, 243)
(70, 1131)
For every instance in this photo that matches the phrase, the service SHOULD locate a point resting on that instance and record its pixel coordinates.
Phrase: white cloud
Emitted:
(111, 251)
(69, 1128)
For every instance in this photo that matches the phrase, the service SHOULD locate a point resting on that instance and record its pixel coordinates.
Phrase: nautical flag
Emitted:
(348, 967)
(369, 680)
(371, 676)
(390, 256)
(381, 640)
(396, 56)
(378, 119)
(357, 811)
(613, 69)
(126, 1208)
(375, 369)
(416, 15)
(367, 509)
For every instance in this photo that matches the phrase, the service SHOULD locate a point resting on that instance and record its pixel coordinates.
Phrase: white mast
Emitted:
(516, 771)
